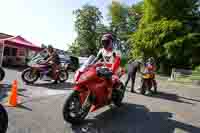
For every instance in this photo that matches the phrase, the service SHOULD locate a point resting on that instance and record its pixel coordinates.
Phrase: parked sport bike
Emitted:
(91, 91)
(37, 69)
(147, 83)
(2, 74)
(3, 120)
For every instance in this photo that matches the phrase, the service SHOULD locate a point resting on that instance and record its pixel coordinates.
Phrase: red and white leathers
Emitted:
(110, 58)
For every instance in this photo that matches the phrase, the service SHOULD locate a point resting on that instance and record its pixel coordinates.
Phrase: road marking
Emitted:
(56, 92)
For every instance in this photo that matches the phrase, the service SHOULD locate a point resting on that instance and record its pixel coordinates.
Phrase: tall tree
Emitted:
(135, 13)
(87, 19)
(100, 30)
(167, 31)
(118, 14)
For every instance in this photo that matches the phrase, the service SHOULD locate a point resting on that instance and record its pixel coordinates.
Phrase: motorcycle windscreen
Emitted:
(87, 62)
(37, 58)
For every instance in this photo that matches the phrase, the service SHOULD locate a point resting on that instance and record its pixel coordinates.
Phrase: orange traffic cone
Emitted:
(12, 100)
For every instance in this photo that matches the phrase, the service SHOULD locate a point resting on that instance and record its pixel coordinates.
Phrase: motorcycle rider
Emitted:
(150, 68)
(109, 57)
(54, 61)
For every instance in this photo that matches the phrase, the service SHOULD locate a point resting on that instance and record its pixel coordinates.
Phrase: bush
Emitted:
(197, 69)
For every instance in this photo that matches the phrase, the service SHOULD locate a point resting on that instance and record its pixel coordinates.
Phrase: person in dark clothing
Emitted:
(133, 67)
(53, 60)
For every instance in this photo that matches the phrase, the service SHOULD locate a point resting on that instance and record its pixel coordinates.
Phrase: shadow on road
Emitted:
(16, 68)
(24, 107)
(5, 88)
(60, 86)
(132, 118)
(191, 99)
(170, 97)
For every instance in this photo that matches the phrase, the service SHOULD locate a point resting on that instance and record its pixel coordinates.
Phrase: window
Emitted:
(14, 52)
(6, 51)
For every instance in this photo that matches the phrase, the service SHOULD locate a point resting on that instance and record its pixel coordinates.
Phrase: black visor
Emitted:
(105, 43)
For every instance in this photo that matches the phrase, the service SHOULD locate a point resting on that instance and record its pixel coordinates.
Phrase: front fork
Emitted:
(85, 97)
(34, 72)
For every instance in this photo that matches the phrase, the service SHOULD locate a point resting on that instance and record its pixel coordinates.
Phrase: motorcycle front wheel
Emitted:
(3, 120)
(29, 77)
(118, 94)
(73, 111)
(2, 74)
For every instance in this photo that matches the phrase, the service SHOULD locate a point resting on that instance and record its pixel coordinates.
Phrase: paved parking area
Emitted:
(174, 110)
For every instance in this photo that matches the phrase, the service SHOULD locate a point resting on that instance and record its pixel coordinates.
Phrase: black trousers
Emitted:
(131, 76)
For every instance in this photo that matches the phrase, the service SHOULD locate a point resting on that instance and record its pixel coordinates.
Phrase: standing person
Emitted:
(133, 67)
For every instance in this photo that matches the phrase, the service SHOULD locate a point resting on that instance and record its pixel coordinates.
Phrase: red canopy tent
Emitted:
(20, 42)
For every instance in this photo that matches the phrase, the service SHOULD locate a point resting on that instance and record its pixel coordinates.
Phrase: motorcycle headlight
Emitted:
(84, 77)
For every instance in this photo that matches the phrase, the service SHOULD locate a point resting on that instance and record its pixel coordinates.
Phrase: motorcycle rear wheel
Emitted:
(144, 87)
(63, 76)
(31, 78)
(73, 105)
(3, 120)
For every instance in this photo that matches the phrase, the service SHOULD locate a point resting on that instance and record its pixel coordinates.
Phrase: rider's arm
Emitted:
(50, 58)
(116, 64)
(139, 68)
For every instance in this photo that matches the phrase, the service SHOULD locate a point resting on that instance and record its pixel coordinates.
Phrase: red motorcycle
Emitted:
(91, 91)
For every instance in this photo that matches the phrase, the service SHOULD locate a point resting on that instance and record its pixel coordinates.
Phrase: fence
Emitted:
(180, 73)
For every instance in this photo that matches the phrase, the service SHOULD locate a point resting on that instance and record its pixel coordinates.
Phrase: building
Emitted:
(15, 50)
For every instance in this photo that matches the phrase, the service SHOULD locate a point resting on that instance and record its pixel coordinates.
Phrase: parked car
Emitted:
(82, 60)
(71, 61)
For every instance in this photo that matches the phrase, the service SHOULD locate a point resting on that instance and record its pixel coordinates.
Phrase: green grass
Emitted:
(195, 75)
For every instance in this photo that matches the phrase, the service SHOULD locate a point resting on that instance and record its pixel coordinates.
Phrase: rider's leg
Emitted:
(55, 73)
(155, 85)
(127, 80)
(133, 82)
(109, 89)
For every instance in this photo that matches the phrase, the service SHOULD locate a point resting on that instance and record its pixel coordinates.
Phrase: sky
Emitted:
(46, 21)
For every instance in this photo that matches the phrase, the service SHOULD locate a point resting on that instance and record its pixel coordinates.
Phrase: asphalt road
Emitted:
(174, 110)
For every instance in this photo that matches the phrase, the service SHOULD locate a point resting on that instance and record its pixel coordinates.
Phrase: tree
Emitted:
(167, 32)
(118, 14)
(100, 30)
(135, 13)
(87, 19)
(74, 49)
